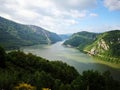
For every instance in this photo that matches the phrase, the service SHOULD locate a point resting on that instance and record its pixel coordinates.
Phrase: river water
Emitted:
(72, 57)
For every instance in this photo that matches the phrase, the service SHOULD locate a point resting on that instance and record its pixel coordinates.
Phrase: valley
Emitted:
(73, 57)
(60, 45)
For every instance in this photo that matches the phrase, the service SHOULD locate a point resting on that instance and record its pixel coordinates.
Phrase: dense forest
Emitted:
(81, 39)
(14, 35)
(20, 71)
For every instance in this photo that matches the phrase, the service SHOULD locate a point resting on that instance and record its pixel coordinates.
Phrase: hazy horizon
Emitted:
(64, 17)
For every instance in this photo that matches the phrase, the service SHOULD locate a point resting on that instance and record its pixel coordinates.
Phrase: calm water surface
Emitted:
(72, 57)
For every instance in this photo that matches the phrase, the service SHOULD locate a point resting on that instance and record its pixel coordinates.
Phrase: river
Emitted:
(72, 57)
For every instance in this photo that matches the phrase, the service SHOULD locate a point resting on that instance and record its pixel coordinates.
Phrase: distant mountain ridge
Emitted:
(65, 36)
(14, 35)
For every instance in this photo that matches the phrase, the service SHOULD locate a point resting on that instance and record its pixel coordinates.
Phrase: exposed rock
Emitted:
(103, 44)
(93, 51)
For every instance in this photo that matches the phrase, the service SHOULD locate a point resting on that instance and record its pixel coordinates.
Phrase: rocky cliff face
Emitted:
(101, 47)
(102, 44)
(107, 46)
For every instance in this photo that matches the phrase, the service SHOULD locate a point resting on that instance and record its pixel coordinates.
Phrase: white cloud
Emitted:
(78, 14)
(50, 14)
(112, 4)
(70, 22)
(93, 14)
(27, 14)
(79, 4)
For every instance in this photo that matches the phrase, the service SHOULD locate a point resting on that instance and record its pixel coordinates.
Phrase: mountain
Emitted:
(50, 36)
(65, 36)
(14, 35)
(106, 46)
(81, 39)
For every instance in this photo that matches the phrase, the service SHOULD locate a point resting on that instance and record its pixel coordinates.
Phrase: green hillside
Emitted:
(14, 35)
(106, 46)
(20, 71)
(81, 39)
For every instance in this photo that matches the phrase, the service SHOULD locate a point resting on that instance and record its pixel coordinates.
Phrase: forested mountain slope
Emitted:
(50, 36)
(106, 46)
(81, 39)
(14, 35)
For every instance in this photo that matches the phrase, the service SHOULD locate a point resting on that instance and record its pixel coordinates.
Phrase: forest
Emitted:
(20, 71)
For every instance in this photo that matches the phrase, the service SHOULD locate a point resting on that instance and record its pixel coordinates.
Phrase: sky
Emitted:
(64, 16)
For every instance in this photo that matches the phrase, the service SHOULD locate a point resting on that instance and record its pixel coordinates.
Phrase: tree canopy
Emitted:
(30, 72)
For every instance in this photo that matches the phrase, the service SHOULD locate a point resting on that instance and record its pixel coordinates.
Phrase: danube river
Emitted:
(72, 57)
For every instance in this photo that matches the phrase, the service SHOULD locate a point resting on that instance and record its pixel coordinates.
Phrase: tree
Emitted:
(89, 80)
(2, 57)
(43, 80)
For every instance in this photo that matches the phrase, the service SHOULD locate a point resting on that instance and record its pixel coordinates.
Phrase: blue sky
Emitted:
(64, 16)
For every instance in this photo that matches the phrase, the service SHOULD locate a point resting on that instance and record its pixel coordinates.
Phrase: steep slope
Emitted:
(14, 35)
(106, 46)
(50, 36)
(81, 39)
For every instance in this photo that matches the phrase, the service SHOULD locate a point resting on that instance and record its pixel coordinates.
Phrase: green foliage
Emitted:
(105, 46)
(2, 57)
(81, 39)
(29, 71)
(14, 35)
(93, 80)
(28, 68)
(111, 40)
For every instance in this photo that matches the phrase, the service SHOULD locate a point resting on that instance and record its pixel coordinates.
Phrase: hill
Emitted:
(14, 35)
(106, 46)
(81, 39)
(20, 71)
